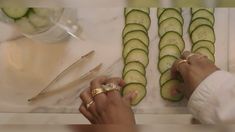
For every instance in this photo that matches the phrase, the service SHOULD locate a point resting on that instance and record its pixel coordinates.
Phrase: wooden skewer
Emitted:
(62, 74)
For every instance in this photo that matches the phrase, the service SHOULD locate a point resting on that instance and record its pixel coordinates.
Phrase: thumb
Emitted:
(129, 97)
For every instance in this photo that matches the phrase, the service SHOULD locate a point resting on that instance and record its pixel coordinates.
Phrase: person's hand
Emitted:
(193, 68)
(107, 107)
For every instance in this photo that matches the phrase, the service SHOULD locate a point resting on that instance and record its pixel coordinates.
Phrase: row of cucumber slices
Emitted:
(30, 20)
(202, 33)
(171, 45)
(135, 51)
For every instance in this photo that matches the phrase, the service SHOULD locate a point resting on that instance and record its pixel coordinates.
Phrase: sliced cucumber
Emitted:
(169, 91)
(127, 10)
(170, 50)
(205, 51)
(15, 12)
(211, 10)
(134, 65)
(39, 21)
(43, 12)
(204, 14)
(166, 62)
(204, 43)
(134, 76)
(140, 17)
(172, 38)
(203, 32)
(25, 26)
(160, 10)
(199, 21)
(171, 13)
(170, 24)
(165, 76)
(137, 55)
(135, 87)
(133, 44)
(137, 34)
(132, 27)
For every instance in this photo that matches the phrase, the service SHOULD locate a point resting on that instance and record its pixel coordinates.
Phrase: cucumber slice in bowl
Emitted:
(197, 22)
(134, 65)
(137, 34)
(170, 13)
(140, 17)
(160, 10)
(170, 24)
(25, 26)
(133, 44)
(170, 50)
(204, 43)
(127, 10)
(132, 87)
(172, 38)
(137, 55)
(134, 76)
(132, 27)
(169, 92)
(204, 14)
(205, 51)
(39, 21)
(166, 62)
(15, 12)
(203, 32)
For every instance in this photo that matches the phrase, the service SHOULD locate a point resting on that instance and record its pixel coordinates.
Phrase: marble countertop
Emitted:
(27, 118)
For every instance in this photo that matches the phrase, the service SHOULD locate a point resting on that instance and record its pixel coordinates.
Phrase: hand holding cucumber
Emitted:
(103, 103)
(193, 71)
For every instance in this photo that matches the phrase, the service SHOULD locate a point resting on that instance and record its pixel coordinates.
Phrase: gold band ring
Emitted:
(192, 54)
(97, 91)
(181, 62)
(88, 105)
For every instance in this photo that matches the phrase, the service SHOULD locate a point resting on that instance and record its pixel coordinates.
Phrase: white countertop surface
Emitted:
(15, 118)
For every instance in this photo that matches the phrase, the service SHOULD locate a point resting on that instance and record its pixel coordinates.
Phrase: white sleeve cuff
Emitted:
(202, 104)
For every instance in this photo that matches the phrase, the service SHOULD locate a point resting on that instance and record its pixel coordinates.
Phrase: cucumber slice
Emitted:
(15, 12)
(137, 34)
(165, 76)
(203, 32)
(39, 21)
(205, 51)
(171, 13)
(168, 91)
(170, 24)
(132, 87)
(211, 10)
(140, 17)
(127, 10)
(166, 62)
(160, 10)
(133, 44)
(134, 76)
(43, 12)
(170, 50)
(137, 55)
(134, 65)
(132, 27)
(204, 14)
(199, 21)
(172, 38)
(25, 26)
(204, 43)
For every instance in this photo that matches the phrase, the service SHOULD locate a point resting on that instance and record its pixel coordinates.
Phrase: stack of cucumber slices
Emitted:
(202, 33)
(135, 51)
(171, 45)
(30, 20)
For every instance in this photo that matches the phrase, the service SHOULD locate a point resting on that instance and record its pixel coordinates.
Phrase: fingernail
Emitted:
(134, 94)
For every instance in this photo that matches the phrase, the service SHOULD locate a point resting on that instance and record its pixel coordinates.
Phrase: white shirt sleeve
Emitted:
(214, 99)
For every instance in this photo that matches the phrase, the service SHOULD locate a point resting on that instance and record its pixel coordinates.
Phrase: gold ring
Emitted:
(97, 91)
(181, 62)
(89, 104)
(192, 54)
(110, 87)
